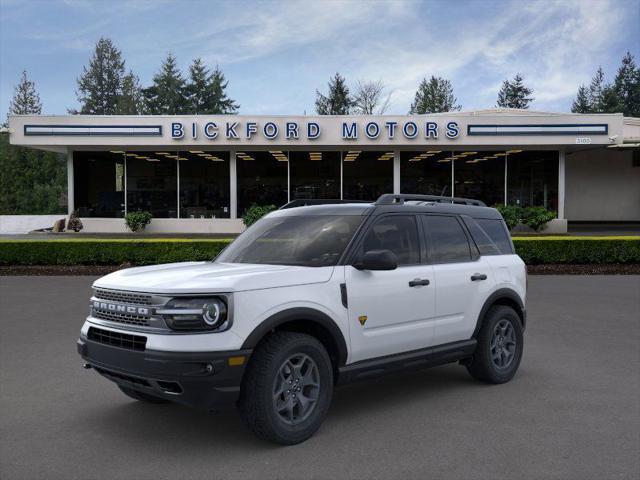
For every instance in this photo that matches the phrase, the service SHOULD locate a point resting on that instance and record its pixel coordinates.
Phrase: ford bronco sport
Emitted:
(311, 297)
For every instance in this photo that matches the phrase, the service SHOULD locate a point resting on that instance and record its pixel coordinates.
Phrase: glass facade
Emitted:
(197, 184)
(261, 179)
(152, 184)
(366, 175)
(532, 178)
(479, 175)
(204, 184)
(314, 175)
(426, 172)
(99, 184)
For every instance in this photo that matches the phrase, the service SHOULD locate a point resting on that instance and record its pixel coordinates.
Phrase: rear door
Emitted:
(391, 311)
(462, 277)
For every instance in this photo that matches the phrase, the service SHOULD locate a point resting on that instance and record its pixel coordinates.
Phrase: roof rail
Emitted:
(399, 199)
(304, 202)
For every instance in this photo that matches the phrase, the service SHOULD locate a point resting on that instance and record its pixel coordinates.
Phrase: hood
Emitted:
(210, 277)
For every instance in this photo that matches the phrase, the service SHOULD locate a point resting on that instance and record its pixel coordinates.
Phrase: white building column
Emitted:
(233, 185)
(70, 185)
(561, 182)
(396, 172)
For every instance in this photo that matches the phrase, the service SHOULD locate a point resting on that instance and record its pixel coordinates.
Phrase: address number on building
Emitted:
(583, 141)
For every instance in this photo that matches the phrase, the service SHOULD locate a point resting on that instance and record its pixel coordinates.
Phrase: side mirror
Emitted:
(377, 260)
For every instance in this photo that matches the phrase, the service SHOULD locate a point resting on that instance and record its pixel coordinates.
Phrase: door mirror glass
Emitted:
(377, 260)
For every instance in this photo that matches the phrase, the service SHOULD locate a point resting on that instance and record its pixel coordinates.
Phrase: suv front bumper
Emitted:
(204, 380)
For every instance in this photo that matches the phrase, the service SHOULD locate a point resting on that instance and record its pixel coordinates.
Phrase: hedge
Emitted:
(533, 250)
(107, 252)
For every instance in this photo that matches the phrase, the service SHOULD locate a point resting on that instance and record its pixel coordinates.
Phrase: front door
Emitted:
(391, 311)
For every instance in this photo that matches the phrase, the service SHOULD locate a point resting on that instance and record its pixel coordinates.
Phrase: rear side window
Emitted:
(447, 241)
(485, 245)
(497, 232)
(398, 233)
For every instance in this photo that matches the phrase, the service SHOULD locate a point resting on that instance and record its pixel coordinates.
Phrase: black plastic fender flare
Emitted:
(495, 297)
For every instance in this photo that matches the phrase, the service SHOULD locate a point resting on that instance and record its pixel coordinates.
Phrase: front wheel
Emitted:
(500, 345)
(287, 388)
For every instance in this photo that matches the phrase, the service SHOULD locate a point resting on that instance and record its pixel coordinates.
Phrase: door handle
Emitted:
(418, 282)
(478, 276)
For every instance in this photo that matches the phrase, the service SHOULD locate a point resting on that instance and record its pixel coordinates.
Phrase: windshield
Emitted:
(309, 241)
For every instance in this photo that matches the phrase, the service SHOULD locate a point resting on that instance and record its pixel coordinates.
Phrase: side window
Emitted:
(448, 242)
(497, 232)
(485, 245)
(398, 233)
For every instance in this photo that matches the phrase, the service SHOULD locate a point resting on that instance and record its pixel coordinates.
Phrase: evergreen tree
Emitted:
(206, 91)
(596, 91)
(218, 100)
(338, 101)
(581, 104)
(25, 99)
(514, 94)
(31, 181)
(167, 95)
(100, 85)
(130, 101)
(433, 96)
(627, 86)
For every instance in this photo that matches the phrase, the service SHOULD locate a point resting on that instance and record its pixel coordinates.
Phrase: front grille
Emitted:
(117, 339)
(129, 319)
(123, 297)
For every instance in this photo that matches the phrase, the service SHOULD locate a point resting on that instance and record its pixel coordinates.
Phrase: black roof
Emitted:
(406, 203)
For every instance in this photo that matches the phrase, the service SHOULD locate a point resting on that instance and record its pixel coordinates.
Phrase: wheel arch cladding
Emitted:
(304, 320)
(506, 297)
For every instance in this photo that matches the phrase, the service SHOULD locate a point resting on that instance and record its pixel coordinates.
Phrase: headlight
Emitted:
(195, 313)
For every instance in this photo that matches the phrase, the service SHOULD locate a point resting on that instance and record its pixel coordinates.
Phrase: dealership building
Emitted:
(201, 173)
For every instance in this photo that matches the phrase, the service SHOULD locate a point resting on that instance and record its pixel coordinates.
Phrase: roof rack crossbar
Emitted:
(305, 202)
(399, 199)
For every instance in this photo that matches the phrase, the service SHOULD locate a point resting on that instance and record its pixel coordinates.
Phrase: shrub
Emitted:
(534, 217)
(137, 220)
(510, 213)
(74, 223)
(537, 217)
(255, 213)
(578, 250)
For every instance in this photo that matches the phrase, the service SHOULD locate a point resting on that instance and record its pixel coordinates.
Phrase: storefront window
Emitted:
(480, 175)
(204, 184)
(532, 179)
(366, 175)
(314, 175)
(262, 179)
(152, 183)
(426, 172)
(99, 184)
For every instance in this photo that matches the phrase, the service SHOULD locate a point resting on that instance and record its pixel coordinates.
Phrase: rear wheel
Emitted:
(287, 388)
(141, 396)
(500, 345)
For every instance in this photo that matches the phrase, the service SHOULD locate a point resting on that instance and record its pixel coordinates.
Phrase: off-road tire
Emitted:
(482, 365)
(141, 396)
(256, 402)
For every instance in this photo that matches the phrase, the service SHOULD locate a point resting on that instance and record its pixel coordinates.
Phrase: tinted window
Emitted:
(396, 233)
(484, 243)
(498, 233)
(309, 241)
(448, 242)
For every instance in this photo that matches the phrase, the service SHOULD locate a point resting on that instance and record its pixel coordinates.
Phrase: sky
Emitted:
(276, 54)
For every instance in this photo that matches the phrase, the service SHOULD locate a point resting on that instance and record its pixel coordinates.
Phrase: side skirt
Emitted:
(416, 359)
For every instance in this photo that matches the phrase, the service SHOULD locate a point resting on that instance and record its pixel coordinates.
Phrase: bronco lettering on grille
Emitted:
(117, 308)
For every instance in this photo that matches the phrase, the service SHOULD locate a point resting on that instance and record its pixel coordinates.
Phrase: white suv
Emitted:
(311, 297)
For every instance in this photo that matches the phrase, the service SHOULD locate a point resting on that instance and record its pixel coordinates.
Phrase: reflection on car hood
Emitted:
(210, 277)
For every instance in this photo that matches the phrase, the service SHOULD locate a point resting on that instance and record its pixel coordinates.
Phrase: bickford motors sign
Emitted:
(294, 130)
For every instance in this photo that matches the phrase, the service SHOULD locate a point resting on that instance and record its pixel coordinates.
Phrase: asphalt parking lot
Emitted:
(573, 410)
